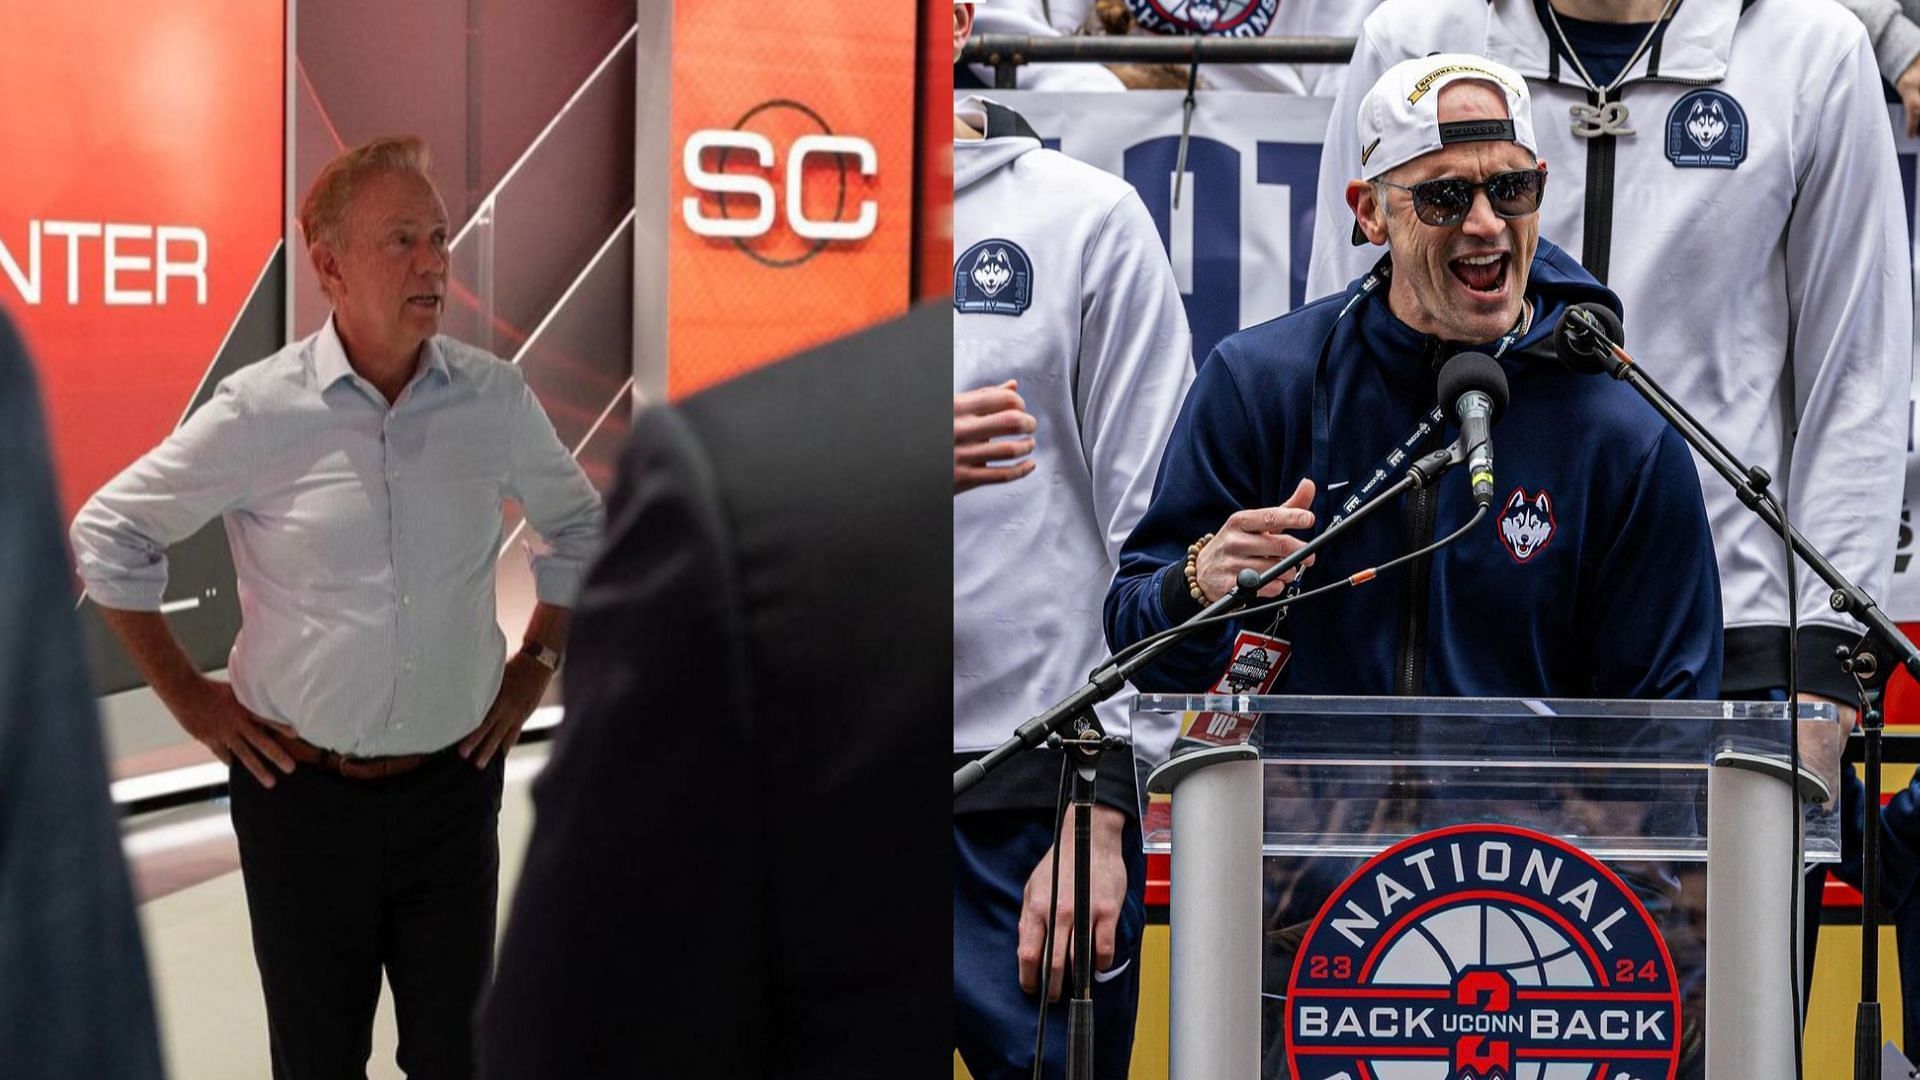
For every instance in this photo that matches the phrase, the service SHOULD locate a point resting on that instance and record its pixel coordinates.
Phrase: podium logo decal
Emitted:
(1483, 952)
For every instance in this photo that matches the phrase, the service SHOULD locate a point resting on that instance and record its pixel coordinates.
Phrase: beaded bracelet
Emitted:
(1193, 572)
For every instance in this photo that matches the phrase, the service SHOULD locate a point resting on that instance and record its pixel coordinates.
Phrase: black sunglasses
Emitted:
(1447, 201)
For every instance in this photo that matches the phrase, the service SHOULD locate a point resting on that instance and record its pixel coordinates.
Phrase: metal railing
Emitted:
(1006, 52)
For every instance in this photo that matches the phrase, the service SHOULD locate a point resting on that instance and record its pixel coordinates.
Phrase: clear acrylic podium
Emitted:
(1275, 800)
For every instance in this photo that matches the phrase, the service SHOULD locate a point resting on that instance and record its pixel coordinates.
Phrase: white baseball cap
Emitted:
(1400, 116)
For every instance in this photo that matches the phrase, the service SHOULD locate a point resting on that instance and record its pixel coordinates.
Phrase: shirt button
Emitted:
(408, 665)
(394, 475)
(399, 724)
(407, 600)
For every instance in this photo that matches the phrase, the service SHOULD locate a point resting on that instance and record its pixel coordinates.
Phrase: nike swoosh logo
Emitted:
(1109, 976)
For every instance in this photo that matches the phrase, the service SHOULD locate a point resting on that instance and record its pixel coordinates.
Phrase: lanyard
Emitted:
(1393, 459)
(1322, 409)
(1430, 422)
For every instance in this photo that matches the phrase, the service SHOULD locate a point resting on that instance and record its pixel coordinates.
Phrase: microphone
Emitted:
(1477, 388)
(1585, 339)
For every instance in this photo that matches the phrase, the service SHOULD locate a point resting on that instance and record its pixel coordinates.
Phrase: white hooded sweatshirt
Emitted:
(1061, 282)
(1752, 224)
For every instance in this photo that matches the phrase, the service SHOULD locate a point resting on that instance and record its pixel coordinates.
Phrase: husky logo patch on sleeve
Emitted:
(993, 277)
(1225, 18)
(1526, 524)
(1706, 129)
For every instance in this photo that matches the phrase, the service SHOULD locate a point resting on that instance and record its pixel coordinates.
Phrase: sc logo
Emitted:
(744, 207)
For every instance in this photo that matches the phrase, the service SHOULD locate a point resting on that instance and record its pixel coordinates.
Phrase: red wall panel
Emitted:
(123, 120)
(828, 68)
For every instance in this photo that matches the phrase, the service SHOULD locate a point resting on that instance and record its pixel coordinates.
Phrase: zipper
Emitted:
(1596, 247)
(1413, 631)
(1410, 669)
(1596, 243)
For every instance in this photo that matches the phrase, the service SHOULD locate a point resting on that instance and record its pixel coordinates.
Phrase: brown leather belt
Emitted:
(353, 768)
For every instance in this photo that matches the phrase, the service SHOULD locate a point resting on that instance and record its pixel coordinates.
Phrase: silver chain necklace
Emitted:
(1609, 117)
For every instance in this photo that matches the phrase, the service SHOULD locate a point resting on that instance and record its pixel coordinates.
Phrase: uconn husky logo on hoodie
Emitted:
(993, 277)
(1526, 524)
(1706, 129)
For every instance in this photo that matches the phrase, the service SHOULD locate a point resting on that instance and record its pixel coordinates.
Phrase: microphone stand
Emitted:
(1084, 751)
(1111, 676)
(1089, 740)
(1749, 485)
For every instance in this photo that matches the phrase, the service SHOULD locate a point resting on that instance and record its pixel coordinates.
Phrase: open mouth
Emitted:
(1481, 273)
(427, 301)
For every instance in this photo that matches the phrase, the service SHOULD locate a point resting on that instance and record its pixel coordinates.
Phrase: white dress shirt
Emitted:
(364, 536)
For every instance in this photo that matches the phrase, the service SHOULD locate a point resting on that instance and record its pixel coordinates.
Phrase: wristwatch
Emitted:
(542, 655)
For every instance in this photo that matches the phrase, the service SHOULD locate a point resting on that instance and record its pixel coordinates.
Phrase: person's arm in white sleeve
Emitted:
(566, 513)
(559, 502)
(1136, 361)
(1896, 49)
(120, 537)
(1336, 261)
(120, 540)
(1851, 298)
(1896, 40)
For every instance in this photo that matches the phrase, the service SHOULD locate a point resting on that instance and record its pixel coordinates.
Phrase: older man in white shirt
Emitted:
(360, 475)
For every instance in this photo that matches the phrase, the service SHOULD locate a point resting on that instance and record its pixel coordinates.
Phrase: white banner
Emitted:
(1240, 238)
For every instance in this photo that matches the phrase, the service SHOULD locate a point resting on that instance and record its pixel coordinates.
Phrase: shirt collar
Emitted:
(1696, 45)
(433, 361)
(330, 363)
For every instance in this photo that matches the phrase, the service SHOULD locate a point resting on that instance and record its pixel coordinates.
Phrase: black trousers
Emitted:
(345, 878)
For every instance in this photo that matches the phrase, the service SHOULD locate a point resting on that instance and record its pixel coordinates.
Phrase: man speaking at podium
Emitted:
(1594, 574)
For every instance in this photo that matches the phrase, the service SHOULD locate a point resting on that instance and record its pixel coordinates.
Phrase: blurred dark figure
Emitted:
(74, 999)
(739, 865)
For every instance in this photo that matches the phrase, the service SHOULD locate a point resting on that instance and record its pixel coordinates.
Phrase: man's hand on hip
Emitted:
(980, 418)
(1107, 891)
(521, 687)
(205, 707)
(212, 714)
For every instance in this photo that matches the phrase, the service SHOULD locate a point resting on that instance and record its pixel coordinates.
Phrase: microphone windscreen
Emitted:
(1574, 343)
(1470, 371)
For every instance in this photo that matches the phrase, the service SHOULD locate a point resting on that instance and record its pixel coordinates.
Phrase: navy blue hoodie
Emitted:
(1593, 574)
